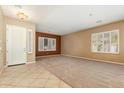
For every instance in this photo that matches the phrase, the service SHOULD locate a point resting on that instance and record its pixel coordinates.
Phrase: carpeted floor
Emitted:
(84, 73)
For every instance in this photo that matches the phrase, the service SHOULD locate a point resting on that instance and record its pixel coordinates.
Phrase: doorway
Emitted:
(15, 45)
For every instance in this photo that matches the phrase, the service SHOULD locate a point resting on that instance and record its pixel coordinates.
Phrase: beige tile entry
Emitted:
(30, 76)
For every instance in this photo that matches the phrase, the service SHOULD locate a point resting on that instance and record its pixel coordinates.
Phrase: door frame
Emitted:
(6, 43)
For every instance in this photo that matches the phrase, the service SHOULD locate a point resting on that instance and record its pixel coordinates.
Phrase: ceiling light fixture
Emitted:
(22, 15)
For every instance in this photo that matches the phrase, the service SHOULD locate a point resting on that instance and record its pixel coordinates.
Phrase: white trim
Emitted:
(112, 62)
(40, 42)
(6, 27)
(110, 52)
(29, 41)
(50, 47)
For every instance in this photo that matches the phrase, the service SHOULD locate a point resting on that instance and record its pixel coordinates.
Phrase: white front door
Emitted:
(15, 45)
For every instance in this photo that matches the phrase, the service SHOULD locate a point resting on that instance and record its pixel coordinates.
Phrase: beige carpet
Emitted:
(84, 73)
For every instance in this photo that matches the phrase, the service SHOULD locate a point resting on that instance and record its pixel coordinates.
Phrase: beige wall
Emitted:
(79, 43)
(2, 43)
(11, 21)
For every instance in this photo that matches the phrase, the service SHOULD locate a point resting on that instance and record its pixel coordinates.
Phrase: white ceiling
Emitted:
(64, 19)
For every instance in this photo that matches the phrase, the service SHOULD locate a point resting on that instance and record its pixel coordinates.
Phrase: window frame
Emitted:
(49, 48)
(110, 52)
(54, 46)
(30, 41)
(39, 43)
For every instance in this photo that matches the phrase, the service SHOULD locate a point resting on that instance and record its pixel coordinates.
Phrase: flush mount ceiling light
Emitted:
(22, 15)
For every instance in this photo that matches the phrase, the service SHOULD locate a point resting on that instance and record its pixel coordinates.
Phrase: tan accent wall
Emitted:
(79, 43)
(2, 41)
(28, 25)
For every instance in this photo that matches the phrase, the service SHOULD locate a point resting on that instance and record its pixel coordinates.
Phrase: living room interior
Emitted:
(61, 46)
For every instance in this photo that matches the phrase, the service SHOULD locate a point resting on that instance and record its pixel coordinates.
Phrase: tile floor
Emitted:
(30, 76)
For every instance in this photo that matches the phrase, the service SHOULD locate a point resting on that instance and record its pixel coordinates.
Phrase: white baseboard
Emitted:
(93, 59)
(48, 56)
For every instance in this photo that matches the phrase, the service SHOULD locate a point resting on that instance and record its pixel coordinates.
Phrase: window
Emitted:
(52, 44)
(46, 44)
(105, 42)
(30, 41)
(40, 44)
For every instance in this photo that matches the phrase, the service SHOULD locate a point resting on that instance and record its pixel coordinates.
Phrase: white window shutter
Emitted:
(105, 42)
(51, 46)
(41, 44)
